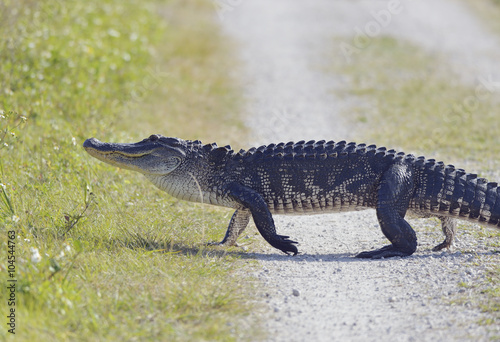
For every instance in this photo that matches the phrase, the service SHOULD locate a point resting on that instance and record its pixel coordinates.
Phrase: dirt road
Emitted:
(325, 294)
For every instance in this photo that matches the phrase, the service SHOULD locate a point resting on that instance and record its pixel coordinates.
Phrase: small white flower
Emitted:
(67, 302)
(114, 33)
(73, 141)
(46, 54)
(15, 218)
(35, 255)
(3, 186)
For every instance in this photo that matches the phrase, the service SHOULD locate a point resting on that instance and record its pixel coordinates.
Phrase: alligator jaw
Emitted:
(145, 157)
(98, 148)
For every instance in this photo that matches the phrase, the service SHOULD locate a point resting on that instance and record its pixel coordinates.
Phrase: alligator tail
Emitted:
(444, 190)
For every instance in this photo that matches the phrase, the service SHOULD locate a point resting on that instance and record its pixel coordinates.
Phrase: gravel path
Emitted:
(325, 294)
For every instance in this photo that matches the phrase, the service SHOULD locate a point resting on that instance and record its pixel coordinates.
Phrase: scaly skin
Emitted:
(309, 178)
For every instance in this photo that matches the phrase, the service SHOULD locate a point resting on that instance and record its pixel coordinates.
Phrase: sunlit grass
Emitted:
(488, 11)
(101, 255)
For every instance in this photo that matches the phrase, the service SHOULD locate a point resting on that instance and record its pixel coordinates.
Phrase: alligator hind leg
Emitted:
(402, 236)
(449, 227)
(394, 195)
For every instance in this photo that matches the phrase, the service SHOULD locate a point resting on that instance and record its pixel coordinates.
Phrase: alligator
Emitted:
(312, 177)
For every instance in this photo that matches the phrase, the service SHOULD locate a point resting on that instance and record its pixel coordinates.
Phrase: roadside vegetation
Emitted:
(411, 101)
(100, 254)
(488, 11)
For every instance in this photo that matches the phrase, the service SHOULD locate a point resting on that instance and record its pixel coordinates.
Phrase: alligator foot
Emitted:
(222, 244)
(384, 252)
(441, 246)
(282, 243)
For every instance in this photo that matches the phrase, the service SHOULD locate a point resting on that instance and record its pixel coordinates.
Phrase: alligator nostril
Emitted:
(154, 137)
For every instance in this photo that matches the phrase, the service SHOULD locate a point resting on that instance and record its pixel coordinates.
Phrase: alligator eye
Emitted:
(154, 137)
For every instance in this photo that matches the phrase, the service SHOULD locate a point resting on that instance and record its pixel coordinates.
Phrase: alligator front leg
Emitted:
(237, 225)
(253, 202)
(394, 194)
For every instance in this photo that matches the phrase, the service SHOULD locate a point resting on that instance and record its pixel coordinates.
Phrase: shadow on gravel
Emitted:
(170, 247)
(349, 257)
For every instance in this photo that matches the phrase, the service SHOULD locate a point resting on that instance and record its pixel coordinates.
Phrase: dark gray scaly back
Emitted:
(317, 176)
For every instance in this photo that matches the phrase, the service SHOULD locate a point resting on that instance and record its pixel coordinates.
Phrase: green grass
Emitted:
(412, 101)
(488, 11)
(101, 255)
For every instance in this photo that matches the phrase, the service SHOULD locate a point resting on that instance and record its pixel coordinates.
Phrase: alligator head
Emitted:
(156, 155)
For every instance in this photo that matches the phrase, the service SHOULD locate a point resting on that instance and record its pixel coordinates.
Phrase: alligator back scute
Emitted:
(458, 192)
(262, 148)
(478, 199)
(209, 147)
(320, 144)
(220, 153)
(439, 184)
(448, 188)
(495, 209)
(360, 149)
(470, 189)
(488, 195)
(434, 186)
(489, 203)
(409, 158)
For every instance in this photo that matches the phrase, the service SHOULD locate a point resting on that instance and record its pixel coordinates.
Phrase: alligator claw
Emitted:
(222, 244)
(441, 246)
(285, 245)
(214, 243)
